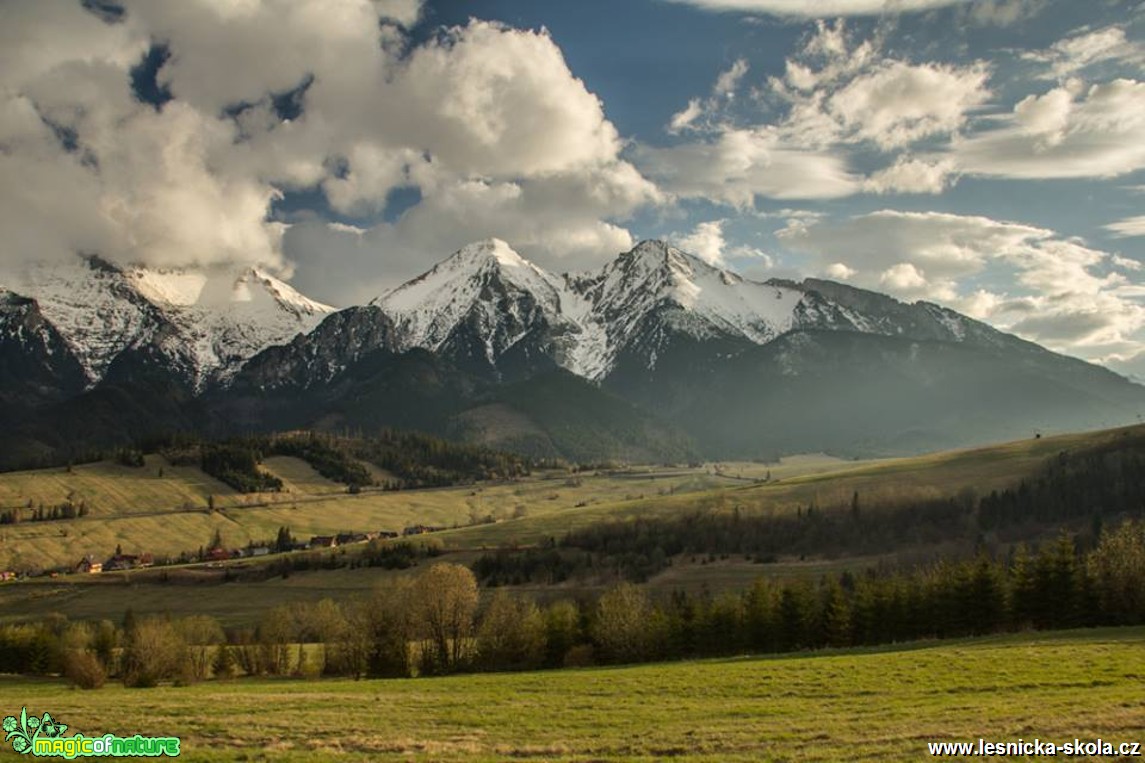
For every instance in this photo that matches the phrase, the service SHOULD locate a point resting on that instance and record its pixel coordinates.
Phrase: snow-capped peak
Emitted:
(488, 289)
(207, 320)
(690, 296)
(219, 288)
(486, 285)
(495, 249)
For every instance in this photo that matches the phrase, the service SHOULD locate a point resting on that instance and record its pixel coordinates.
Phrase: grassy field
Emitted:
(142, 512)
(109, 595)
(825, 483)
(542, 506)
(877, 705)
(110, 489)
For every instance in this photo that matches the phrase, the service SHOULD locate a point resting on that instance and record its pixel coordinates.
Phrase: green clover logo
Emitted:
(50, 728)
(23, 732)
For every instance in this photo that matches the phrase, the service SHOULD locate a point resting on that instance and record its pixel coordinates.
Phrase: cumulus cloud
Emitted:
(822, 8)
(708, 242)
(739, 164)
(841, 92)
(558, 222)
(1097, 132)
(899, 103)
(837, 96)
(910, 175)
(1058, 291)
(494, 136)
(839, 271)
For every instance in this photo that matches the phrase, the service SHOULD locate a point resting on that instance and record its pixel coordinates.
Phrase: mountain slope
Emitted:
(857, 394)
(199, 325)
(657, 355)
(36, 363)
(488, 310)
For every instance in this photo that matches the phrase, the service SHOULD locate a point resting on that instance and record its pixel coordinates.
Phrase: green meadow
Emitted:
(853, 705)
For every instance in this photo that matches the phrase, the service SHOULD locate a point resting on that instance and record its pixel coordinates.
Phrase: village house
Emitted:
(128, 562)
(89, 566)
(421, 529)
(219, 555)
(323, 541)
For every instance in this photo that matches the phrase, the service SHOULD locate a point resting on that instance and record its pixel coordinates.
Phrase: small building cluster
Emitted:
(347, 539)
(421, 530)
(117, 562)
(89, 565)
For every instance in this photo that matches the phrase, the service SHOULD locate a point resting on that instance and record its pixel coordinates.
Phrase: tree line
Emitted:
(1091, 486)
(433, 624)
(413, 460)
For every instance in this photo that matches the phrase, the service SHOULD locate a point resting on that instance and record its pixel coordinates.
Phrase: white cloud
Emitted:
(728, 81)
(910, 175)
(684, 119)
(36, 37)
(1003, 12)
(699, 112)
(493, 130)
(1099, 133)
(839, 271)
(492, 100)
(738, 165)
(898, 103)
(706, 241)
(404, 12)
(822, 8)
(837, 97)
(1072, 54)
(1130, 226)
(1047, 288)
(559, 222)
(841, 93)
(905, 279)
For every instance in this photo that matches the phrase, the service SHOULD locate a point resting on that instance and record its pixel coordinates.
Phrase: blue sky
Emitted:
(988, 155)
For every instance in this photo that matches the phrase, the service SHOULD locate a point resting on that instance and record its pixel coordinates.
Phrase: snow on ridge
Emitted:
(428, 308)
(208, 321)
(594, 315)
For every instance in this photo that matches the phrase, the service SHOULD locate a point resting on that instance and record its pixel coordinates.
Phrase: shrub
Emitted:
(85, 670)
(580, 656)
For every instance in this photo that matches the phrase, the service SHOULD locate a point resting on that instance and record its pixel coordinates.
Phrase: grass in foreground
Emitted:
(877, 705)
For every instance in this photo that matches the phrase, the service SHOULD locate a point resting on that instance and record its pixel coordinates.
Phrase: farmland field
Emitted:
(539, 507)
(856, 705)
(163, 510)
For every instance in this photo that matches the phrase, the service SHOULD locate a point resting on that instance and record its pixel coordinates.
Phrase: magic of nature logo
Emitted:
(44, 737)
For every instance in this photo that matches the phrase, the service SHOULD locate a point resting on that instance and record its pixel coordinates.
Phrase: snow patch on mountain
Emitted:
(591, 317)
(703, 300)
(491, 289)
(206, 321)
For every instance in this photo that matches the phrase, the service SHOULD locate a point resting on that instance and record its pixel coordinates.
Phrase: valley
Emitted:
(131, 507)
(486, 380)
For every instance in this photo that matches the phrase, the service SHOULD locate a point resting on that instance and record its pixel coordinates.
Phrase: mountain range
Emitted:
(658, 355)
